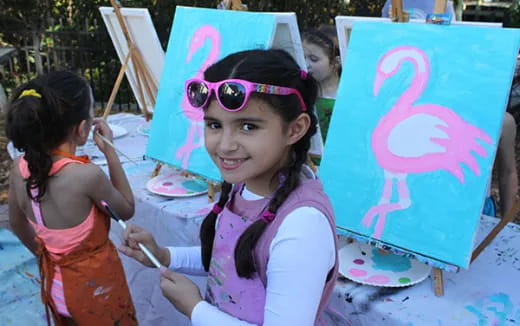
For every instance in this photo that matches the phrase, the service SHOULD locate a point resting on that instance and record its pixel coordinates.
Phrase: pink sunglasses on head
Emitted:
(232, 94)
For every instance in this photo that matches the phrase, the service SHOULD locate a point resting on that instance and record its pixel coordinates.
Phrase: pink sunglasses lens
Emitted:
(232, 95)
(197, 94)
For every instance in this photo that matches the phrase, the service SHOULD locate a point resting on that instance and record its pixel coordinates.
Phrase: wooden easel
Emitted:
(143, 77)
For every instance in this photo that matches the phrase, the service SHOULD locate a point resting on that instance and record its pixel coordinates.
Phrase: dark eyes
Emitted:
(243, 127)
(249, 127)
(212, 125)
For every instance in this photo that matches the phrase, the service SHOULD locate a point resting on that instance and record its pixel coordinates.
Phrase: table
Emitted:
(486, 294)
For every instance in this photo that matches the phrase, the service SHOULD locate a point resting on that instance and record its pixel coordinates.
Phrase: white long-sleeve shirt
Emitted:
(300, 257)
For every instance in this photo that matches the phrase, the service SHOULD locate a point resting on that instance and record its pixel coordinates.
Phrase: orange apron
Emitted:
(94, 282)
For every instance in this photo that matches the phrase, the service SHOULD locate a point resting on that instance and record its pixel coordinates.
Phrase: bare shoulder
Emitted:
(508, 128)
(89, 172)
(88, 175)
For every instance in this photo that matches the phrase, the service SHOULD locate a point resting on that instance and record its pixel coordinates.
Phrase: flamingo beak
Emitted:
(380, 78)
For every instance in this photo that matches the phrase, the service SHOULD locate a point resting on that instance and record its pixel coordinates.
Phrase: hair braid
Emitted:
(207, 229)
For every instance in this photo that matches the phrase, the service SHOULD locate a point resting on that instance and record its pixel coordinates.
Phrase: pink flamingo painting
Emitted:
(196, 116)
(417, 138)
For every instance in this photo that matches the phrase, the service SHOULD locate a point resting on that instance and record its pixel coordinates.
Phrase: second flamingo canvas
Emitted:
(414, 134)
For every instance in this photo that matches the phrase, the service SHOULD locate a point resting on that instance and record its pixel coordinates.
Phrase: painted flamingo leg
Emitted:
(403, 203)
(385, 199)
(185, 150)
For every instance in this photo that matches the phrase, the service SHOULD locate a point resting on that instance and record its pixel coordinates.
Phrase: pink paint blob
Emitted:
(359, 261)
(170, 191)
(357, 272)
(378, 279)
(166, 184)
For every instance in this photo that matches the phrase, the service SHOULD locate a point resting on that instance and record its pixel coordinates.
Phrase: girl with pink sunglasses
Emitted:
(269, 245)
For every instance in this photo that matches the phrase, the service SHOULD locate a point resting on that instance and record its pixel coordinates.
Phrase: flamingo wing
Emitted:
(413, 136)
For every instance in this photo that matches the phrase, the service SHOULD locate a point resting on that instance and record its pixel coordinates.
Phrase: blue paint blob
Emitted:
(390, 262)
(500, 306)
(195, 185)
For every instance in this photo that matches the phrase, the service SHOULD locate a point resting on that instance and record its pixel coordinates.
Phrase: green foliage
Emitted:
(512, 15)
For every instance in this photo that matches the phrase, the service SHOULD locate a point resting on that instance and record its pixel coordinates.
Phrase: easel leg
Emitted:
(503, 222)
(156, 170)
(211, 192)
(438, 283)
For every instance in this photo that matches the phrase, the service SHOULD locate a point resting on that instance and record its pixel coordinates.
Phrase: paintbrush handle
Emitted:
(143, 248)
(116, 217)
(109, 143)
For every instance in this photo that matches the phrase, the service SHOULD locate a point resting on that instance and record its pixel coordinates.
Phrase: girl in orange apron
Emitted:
(82, 278)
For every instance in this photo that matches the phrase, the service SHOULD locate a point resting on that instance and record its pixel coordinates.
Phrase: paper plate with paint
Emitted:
(145, 128)
(117, 131)
(176, 185)
(366, 264)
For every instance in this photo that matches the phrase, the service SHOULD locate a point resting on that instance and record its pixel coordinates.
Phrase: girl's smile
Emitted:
(231, 163)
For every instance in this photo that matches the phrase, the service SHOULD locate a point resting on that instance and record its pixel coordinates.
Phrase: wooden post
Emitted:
(438, 283)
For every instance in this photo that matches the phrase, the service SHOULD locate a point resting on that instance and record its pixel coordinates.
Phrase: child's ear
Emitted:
(298, 128)
(82, 130)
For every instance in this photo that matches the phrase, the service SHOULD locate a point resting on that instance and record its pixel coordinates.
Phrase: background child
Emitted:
(53, 201)
(272, 215)
(321, 50)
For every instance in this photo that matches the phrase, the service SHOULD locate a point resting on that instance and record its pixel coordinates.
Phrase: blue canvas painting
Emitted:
(414, 133)
(199, 38)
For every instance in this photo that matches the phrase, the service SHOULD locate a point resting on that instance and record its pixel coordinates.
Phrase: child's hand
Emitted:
(180, 291)
(101, 127)
(133, 235)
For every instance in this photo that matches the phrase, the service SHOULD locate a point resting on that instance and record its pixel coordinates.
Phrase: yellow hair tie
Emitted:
(30, 92)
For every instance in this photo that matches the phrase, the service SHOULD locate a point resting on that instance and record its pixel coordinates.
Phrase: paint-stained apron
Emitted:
(94, 282)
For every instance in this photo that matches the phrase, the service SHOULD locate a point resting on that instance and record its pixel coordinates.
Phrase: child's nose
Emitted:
(228, 142)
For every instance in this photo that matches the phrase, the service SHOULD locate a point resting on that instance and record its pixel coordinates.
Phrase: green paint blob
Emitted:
(404, 280)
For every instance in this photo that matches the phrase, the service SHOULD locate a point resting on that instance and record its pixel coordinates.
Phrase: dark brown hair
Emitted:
(38, 124)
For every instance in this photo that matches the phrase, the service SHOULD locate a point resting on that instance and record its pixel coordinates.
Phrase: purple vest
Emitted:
(245, 298)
